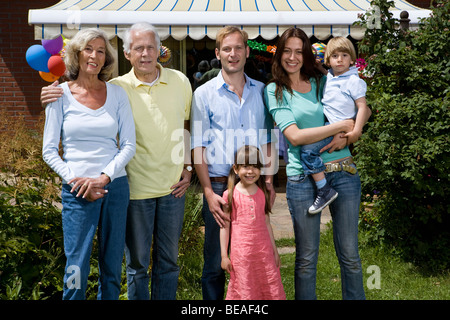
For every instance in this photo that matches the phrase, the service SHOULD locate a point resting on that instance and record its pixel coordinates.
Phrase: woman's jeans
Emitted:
(300, 194)
(213, 277)
(161, 220)
(81, 219)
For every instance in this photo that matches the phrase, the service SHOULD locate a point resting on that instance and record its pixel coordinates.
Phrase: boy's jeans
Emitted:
(310, 156)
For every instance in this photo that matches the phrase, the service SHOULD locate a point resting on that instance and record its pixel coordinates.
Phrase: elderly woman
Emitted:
(93, 120)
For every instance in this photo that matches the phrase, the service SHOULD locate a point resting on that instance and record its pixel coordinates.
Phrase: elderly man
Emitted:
(227, 112)
(160, 100)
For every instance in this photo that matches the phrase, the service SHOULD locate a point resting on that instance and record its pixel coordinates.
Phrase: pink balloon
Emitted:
(53, 46)
(56, 65)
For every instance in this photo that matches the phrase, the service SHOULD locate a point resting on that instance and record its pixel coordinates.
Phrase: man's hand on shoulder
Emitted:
(51, 93)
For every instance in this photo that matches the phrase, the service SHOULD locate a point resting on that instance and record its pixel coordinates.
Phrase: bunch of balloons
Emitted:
(319, 50)
(48, 58)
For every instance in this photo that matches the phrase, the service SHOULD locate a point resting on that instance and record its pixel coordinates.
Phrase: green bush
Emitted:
(403, 156)
(31, 249)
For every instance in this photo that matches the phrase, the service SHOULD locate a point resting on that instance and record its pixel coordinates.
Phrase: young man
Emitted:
(227, 112)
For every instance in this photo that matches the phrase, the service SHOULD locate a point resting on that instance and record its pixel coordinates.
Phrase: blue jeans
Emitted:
(161, 220)
(213, 277)
(310, 156)
(300, 194)
(80, 220)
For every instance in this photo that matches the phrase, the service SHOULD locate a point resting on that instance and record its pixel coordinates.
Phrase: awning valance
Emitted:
(199, 18)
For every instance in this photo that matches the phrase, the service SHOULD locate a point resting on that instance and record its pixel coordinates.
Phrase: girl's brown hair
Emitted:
(247, 155)
(280, 76)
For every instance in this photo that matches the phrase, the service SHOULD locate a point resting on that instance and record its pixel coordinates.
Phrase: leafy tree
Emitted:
(404, 154)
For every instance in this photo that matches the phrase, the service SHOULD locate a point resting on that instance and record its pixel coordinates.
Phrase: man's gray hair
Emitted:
(139, 26)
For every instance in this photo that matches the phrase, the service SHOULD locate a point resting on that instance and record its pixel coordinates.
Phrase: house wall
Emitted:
(20, 85)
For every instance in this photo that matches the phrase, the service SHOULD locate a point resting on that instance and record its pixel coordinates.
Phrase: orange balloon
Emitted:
(48, 76)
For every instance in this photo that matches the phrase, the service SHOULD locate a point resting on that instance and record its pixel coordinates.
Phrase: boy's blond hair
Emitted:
(226, 31)
(339, 44)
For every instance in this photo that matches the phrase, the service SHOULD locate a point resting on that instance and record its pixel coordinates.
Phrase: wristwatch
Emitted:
(189, 168)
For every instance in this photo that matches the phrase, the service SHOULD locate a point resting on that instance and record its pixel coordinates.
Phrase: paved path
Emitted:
(282, 223)
(281, 218)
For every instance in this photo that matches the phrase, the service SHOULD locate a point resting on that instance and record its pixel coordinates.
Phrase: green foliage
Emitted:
(31, 254)
(190, 248)
(403, 156)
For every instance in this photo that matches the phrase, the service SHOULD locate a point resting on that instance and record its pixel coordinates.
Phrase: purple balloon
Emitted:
(53, 46)
(37, 57)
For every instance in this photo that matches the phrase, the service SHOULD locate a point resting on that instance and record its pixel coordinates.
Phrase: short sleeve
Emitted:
(280, 111)
(356, 87)
(225, 196)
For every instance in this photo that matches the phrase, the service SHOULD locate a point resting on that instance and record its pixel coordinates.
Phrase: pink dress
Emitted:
(255, 275)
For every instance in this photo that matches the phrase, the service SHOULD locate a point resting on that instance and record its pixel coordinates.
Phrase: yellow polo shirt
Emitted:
(159, 113)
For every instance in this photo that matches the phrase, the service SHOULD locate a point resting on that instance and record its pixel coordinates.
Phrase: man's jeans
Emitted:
(213, 277)
(81, 219)
(160, 219)
(300, 194)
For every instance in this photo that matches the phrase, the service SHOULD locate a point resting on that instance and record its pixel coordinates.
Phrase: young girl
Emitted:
(254, 261)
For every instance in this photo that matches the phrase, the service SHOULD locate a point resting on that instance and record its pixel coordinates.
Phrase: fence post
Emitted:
(404, 21)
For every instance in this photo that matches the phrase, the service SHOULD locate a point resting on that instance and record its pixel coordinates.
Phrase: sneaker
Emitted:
(325, 196)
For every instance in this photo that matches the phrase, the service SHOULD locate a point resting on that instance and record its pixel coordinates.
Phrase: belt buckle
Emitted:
(332, 167)
(349, 169)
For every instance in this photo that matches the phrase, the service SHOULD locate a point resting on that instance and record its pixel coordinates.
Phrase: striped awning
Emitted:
(199, 18)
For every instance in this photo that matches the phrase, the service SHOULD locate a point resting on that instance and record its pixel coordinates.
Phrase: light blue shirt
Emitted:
(340, 93)
(89, 137)
(222, 123)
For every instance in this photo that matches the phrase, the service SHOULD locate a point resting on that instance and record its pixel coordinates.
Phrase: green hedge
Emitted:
(404, 154)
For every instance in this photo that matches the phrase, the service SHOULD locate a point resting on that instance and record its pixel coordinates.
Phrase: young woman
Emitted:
(293, 98)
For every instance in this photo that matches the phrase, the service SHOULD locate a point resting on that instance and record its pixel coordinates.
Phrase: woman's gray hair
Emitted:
(78, 43)
(143, 27)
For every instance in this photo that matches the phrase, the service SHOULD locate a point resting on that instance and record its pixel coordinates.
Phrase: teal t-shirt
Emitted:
(304, 110)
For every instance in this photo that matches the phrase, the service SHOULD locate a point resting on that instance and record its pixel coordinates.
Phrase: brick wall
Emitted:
(20, 85)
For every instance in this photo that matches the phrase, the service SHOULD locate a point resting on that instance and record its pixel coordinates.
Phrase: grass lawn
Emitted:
(398, 280)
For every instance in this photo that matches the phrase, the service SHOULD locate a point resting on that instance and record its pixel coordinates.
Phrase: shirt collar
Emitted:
(220, 82)
(162, 77)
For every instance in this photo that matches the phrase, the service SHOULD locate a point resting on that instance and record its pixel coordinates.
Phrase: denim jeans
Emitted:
(300, 194)
(213, 277)
(158, 220)
(310, 156)
(81, 219)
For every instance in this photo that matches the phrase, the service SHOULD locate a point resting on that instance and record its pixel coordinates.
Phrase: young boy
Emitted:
(343, 98)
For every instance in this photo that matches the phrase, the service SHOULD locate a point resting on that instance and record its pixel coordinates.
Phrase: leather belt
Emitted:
(344, 165)
(219, 179)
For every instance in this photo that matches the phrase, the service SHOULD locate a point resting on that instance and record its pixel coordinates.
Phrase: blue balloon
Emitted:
(37, 57)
